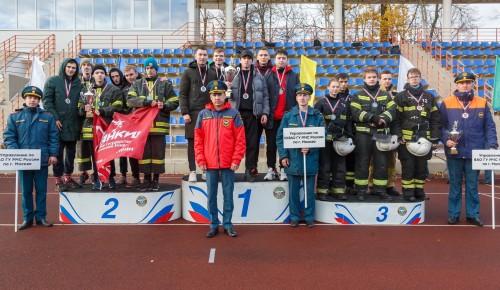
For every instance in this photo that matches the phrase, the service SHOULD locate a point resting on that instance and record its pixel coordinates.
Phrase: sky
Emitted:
(489, 15)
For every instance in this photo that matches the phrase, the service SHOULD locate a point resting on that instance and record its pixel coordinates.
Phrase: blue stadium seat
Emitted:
(293, 62)
(95, 51)
(359, 62)
(347, 44)
(466, 52)
(353, 70)
(181, 121)
(377, 44)
(319, 93)
(110, 61)
(322, 52)
(380, 62)
(296, 69)
(262, 140)
(298, 44)
(323, 81)
(392, 62)
(466, 44)
(174, 61)
(337, 62)
(374, 51)
(489, 62)
(271, 51)
(320, 70)
(360, 82)
(484, 44)
(99, 60)
(311, 52)
(480, 93)
(432, 92)
(290, 52)
(229, 44)
(308, 44)
(495, 44)
(137, 51)
(342, 51)
(168, 52)
(367, 44)
(147, 52)
(278, 44)
(477, 52)
(353, 51)
(173, 121)
(141, 60)
(186, 61)
(369, 62)
(84, 51)
(288, 44)
(259, 44)
(456, 44)
(491, 82)
(386, 44)
(351, 82)
(188, 51)
(181, 140)
(467, 62)
(139, 68)
(163, 61)
(331, 70)
(300, 51)
(240, 43)
(445, 44)
(157, 52)
(490, 70)
(348, 62)
(228, 51)
(162, 70)
(456, 52)
(475, 44)
(326, 61)
(481, 82)
(479, 70)
(327, 44)
(210, 51)
(168, 139)
(132, 60)
(219, 44)
(105, 51)
(338, 44)
(343, 69)
(248, 44)
(363, 52)
(496, 52)
(172, 70)
(182, 69)
(178, 52)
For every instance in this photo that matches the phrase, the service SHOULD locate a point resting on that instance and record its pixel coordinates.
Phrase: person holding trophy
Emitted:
(467, 124)
(101, 99)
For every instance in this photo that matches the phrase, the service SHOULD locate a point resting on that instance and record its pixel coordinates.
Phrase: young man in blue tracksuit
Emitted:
(291, 159)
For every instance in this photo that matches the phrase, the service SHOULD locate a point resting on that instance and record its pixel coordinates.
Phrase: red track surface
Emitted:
(175, 255)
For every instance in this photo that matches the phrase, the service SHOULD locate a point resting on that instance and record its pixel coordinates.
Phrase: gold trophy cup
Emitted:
(454, 135)
(230, 72)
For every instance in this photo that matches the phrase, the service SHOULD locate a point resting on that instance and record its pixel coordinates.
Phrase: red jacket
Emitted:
(219, 137)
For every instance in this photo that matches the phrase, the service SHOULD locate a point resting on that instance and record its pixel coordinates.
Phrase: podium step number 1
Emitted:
(19, 159)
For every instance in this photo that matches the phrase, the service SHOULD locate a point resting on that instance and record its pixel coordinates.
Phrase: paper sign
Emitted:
(308, 137)
(20, 159)
(486, 159)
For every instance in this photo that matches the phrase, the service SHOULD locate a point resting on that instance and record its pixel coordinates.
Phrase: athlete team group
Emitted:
(226, 114)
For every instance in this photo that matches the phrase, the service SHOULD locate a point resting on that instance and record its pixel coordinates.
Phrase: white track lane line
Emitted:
(211, 256)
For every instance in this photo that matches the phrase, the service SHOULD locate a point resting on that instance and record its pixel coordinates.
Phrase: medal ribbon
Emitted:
(202, 77)
(464, 107)
(280, 80)
(372, 97)
(245, 83)
(152, 87)
(419, 99)
(330, 105)
(303, 120)
(67, 88)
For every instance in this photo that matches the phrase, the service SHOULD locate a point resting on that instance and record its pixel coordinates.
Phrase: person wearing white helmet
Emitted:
(417, 122)
(336, 112)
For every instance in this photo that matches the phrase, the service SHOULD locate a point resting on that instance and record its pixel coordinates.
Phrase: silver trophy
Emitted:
(454, 135)
(89, 100)
(230, 72)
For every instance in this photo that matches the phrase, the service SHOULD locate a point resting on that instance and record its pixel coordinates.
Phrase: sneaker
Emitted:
(204, 175)
(145, 186)
(154, 186)
(269, 174)
(134, 183)
(112, 183)
(83, 177)
(255, 172)
(70, 182)
(97, 185)
(60, 186)
(192, 176)
(283, 175)
(122, 180)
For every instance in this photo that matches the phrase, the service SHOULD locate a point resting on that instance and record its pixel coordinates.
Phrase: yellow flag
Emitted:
(308, 74)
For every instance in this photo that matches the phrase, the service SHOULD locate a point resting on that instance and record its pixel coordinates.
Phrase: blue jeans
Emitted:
(39, 179)
(294, 182)
(457, 168)
(65, 163)
(227, 177)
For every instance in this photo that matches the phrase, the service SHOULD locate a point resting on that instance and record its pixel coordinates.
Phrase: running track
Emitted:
(176, 255)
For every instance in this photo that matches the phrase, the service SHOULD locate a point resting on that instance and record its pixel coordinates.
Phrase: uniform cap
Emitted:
(465, 76)
(303, 88)
(217, 87)
(32, 91)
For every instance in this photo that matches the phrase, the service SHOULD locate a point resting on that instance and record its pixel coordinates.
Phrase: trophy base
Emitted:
(453, 151)
(89, 115)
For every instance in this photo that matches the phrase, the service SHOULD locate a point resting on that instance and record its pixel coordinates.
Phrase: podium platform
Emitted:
(120, 206)
(372, 211)
(267, 202)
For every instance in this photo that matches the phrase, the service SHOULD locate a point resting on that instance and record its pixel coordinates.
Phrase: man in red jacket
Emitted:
(219, 145)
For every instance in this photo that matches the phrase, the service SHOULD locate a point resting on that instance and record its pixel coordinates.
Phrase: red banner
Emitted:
(100, 127)
(125, 137)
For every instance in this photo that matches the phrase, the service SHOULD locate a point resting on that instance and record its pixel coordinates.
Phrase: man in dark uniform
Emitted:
(33, 128)
(153, 92)
(193, 96)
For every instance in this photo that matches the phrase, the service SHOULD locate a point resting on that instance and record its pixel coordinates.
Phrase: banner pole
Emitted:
(16, 203)
(493, 199)
(305, 181)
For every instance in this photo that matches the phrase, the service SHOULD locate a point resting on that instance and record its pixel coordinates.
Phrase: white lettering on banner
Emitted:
(308, 137)
(486, 159)
(119, 134)
(20, 159)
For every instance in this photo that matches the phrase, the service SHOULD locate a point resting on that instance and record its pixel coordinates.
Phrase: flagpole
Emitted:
(16, 203)
(305, 181)
(493, 199)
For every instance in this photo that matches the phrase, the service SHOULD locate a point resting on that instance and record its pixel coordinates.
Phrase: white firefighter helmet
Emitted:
(387, 144)
(419, 148)
(343, 146)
